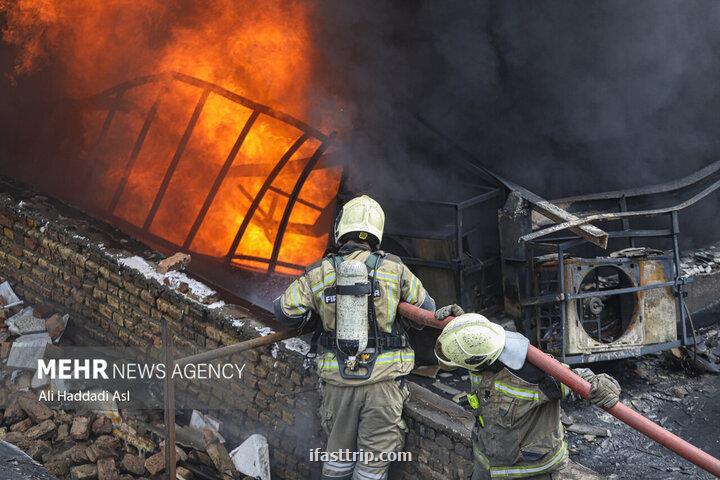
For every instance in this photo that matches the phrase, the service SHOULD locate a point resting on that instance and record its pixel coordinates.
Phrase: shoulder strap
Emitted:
(392, 258)
(336, 260)
(314, 265)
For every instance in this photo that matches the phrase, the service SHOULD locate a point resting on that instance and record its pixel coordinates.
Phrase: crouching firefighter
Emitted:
(365, 353)
(517, 433)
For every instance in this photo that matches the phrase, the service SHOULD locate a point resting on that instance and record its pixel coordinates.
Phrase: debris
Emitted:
(680, 391)
(44, 310)
(183, 473)
(155, 464)
(106, 469)
(636, 252)
(221, 460)
(102, 425)
(62, 432)
(26, 351)
(38, 382)
(584, 429)
(133, 464)
(55, 325)
(9, 299)
(105, 446)
(25, 322)
(40, 430)
(141, 443)
(59, 468)
(178, 261)
(38, 449)
(21, 426)
(189, 437)
(4, 350)
(36, 410)
(202, 422)
(84, 472)
(252, 457)
(13, 413)
(80, 429)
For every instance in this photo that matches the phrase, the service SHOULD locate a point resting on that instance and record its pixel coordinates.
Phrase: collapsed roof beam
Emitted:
(539, 204)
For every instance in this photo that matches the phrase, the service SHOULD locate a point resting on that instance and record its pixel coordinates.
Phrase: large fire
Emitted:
(262, 51)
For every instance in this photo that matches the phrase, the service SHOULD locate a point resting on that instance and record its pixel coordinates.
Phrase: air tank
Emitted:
(351, 325)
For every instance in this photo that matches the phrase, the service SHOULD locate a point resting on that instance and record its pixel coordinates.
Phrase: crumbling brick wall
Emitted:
(46, 255)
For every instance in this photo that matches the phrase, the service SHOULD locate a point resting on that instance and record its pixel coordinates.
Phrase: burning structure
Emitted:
(213, 132)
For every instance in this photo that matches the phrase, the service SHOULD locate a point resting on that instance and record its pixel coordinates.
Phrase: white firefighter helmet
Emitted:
(472, 341)
(361, 214)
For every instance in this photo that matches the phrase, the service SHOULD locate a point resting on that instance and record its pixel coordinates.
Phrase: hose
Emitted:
(620, 411)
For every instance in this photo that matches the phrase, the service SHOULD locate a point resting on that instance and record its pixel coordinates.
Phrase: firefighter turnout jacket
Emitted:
(394, 282)
(517, 432)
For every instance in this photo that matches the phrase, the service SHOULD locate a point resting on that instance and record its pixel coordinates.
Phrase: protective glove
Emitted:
(604, 391)
(448, 310)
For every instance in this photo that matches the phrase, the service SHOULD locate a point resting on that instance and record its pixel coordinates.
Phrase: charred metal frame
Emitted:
(460, 230)
(113, 99)
(561, 245)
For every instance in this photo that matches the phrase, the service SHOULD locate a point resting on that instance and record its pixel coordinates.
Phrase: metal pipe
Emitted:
(558, 371)
(238, 347)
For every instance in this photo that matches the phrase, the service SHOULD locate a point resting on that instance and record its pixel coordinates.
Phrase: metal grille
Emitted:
(111, 101)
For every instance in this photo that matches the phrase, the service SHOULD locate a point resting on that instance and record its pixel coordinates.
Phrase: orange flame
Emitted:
(260, 50)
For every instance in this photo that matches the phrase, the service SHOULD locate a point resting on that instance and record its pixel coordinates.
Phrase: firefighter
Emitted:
(517, 433)
(365, 353)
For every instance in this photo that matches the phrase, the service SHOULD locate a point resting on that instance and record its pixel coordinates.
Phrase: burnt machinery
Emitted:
(586, 308)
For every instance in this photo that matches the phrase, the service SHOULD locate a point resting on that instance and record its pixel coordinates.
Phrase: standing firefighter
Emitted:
(365, 351)
(517, 431)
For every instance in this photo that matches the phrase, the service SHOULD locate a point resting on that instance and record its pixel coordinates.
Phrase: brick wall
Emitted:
(50, 252)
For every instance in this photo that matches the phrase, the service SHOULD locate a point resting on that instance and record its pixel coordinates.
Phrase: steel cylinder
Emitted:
(352, 324)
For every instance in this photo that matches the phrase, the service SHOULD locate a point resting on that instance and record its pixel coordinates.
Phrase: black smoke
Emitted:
(563, 97)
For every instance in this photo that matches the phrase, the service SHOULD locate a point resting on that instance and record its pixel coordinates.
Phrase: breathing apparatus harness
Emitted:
(356, 358)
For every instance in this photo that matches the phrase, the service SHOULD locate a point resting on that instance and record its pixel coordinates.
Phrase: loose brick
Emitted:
(84, 472)
(133, 464)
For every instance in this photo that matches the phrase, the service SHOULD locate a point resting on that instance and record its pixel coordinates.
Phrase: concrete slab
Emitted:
(25, 322)
(26, 351)
(252, 457)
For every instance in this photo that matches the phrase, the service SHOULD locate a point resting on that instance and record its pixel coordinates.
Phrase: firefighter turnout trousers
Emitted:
(366, 419)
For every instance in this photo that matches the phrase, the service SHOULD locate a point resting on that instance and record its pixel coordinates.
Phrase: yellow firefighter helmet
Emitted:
(361, 214)
(469, 341)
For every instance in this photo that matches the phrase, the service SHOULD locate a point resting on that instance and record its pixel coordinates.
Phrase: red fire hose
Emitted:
(563, 374)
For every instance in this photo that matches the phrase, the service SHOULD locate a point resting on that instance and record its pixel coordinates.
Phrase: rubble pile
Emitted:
(702, 261)
(25, 334)
(86, 445)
